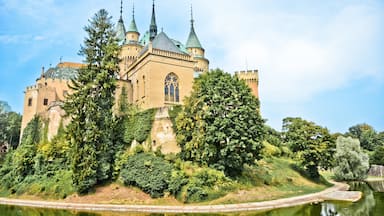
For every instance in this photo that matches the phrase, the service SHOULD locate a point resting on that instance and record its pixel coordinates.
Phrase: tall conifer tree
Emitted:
(90, 105)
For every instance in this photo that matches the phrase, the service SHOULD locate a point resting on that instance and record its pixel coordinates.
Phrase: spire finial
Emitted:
(133, 11)
(192, 15)
(121, 9)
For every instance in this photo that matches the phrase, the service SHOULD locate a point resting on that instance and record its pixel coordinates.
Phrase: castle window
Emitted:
(137, 90)
(29, 101)
(171, 88)
(143, 86)
(45, 102)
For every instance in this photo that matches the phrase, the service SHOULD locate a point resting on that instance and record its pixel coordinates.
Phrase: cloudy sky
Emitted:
(319, 60)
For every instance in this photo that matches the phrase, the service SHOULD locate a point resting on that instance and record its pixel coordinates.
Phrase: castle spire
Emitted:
(132, 27)
(193, 41)
(120, 28)
(121, 10)
(153, 26)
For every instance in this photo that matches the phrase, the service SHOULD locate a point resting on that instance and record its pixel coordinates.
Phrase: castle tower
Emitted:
(133, 34)
(195, 49)
(120, 28)
(131, 47)
(251, 78)
(153, 26)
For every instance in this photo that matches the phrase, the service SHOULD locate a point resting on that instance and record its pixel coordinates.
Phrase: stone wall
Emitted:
(162, 134)
(376, 170)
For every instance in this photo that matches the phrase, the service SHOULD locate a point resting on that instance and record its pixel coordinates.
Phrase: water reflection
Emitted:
(371, 204)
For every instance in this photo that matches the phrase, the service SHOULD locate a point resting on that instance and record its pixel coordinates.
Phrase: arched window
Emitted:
(171, 88)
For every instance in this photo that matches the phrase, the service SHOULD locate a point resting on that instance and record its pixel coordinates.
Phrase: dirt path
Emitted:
(254, 206)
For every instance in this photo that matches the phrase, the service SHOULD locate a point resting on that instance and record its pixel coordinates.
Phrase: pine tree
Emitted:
(90, 105)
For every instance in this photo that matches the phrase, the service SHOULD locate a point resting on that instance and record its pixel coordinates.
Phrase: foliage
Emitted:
(220, 125)
(173, 113)
(378, 156)
(270, 150)
(139, 125)
(37, 166)
(20, 162)
(273, 136)
(90, 105)
(10, 123)
(352, 163)
(205, 184)
(312, 145)
(148, 172)
(367, 136)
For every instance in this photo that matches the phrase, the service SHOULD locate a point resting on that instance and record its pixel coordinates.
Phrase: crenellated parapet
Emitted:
(251, 78)
(251, 75)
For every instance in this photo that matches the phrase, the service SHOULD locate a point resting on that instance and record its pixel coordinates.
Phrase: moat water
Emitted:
(371, 204)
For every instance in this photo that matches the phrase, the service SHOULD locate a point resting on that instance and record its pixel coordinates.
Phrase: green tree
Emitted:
(352, 163)
(378, 156)
(90, 105)
(10, 123)
(366, 134)
(220, 125)
(20, 163)
(311, 144)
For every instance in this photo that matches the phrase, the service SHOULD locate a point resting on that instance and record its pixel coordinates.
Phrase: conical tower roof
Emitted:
(132, 27)
(193, 40)
(120, 28)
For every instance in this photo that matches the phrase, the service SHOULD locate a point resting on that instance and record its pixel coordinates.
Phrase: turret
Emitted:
(133, 34)
(153, 26)
(251, 78)
(195, 49)
(120, 28)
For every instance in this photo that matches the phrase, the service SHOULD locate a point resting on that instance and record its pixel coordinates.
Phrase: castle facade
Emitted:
(155, 71)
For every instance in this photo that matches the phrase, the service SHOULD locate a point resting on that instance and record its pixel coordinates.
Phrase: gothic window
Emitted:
(29, 101)
(171, 88)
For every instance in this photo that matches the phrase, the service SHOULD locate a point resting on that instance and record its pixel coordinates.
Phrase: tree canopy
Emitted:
(90, 104)
(366, 134)
(312, 145)
(220, 125)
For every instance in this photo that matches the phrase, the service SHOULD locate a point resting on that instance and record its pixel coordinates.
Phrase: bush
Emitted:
(352, 163)
(205, 184)
(270, 150)
(150, 173)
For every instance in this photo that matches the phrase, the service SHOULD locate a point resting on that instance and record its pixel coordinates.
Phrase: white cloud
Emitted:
(299, 54)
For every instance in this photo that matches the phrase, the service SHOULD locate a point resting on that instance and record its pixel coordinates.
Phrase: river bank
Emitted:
(253, 206)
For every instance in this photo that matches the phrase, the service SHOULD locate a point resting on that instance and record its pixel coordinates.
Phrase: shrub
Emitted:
(270, 150)
(205, 184)
(148, 172)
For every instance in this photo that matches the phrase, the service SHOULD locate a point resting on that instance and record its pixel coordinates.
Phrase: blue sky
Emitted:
(319, 60)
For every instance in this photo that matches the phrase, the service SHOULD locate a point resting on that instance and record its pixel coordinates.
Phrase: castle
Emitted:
(155, 71)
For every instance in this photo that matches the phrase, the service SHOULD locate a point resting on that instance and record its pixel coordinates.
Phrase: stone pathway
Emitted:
(329, 193)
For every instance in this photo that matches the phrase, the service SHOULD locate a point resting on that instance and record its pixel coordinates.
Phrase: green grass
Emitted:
(272, 178)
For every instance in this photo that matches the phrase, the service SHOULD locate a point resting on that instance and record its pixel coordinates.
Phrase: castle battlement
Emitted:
(248, 75)
(32, 87)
